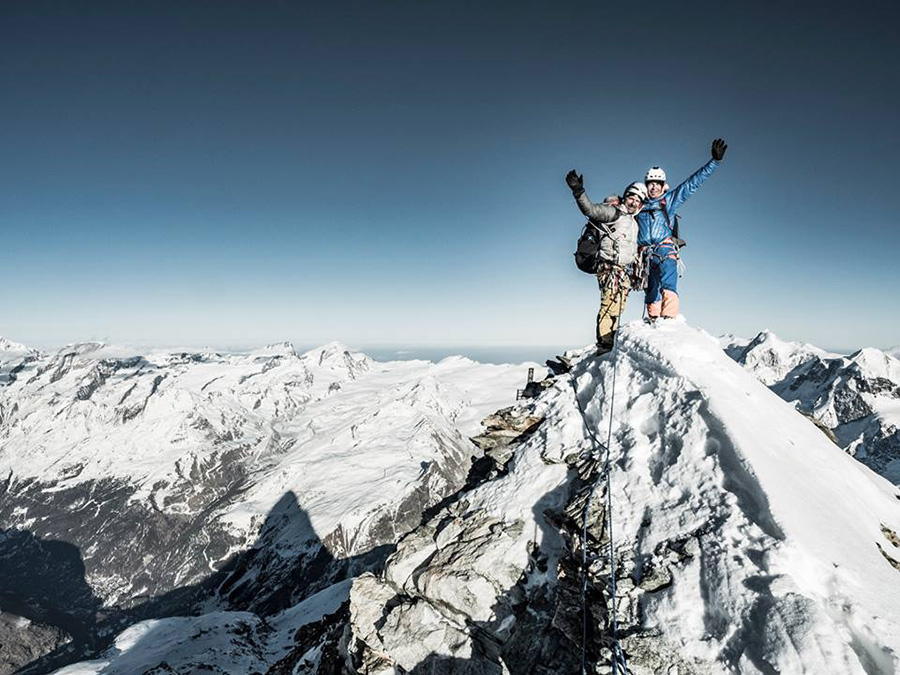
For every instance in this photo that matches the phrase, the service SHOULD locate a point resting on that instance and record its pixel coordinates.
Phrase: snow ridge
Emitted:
(746, 541)
(856, 398)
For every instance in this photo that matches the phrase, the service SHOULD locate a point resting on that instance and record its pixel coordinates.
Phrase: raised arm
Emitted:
(597, 213)
(678, 196)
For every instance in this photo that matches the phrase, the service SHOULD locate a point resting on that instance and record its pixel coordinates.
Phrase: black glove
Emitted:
(575, 183)
(718, 149)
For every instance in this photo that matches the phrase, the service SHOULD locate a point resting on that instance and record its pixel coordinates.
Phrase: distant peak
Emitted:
(334, 347)
(81, 348)
(285, 348)
(10, 346)
(335, 354)
(764, 336)
(328, 349)
(869, 356)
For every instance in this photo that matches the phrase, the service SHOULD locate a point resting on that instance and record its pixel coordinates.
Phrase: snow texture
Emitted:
(138, 484)
(746, 541)
(774, 540)
(856, 397)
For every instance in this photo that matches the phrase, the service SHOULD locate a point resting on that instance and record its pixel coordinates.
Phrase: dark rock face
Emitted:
(848, 402)
(318, 647)
(23, 641)
(880, 450)
(43, 580)
(131, 549)
(535, 622)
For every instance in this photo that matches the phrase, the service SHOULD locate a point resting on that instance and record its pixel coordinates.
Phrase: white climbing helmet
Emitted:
(655, 173)
(638, 189)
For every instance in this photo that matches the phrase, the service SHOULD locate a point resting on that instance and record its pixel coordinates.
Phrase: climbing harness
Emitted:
(613, 278)
(620, 664)
(650, 255)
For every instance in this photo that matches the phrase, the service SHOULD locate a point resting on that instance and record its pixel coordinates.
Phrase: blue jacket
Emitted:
(652, 225)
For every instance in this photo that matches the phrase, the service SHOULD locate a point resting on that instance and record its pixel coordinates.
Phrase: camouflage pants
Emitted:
(614, 286)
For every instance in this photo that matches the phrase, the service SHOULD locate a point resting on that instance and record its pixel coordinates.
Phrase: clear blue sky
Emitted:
(236, 173)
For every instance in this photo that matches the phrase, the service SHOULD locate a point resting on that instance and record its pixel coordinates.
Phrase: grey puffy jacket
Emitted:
(620, 230)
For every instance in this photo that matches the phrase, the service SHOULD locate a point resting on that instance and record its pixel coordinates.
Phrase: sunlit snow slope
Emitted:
(856, 397)
(746, 541)
(137, 485)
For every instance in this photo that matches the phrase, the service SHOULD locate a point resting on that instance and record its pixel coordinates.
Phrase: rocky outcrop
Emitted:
(23, 641)
(471, 592)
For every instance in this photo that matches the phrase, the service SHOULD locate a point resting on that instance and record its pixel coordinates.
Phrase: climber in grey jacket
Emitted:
(618, 250)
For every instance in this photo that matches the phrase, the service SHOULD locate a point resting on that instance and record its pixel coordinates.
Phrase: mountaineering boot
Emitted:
(604, 348)
(650, 320)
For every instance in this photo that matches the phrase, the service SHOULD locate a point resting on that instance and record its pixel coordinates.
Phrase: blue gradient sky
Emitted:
(236, 173)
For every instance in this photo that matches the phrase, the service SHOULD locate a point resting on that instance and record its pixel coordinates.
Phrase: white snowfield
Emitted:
(343, 432)
(785, 562)
(772, 535)
(791, 572)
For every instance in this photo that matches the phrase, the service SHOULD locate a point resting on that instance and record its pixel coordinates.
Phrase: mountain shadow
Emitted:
(43, 580)
(286, 563)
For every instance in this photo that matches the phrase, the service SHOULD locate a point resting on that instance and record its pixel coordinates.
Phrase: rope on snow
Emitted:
(620, 664)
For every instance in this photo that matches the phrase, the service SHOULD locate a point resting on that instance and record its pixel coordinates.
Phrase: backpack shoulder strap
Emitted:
(603, 228)
(665, 210)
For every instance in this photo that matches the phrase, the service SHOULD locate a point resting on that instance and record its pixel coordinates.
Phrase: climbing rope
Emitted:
(620, 665)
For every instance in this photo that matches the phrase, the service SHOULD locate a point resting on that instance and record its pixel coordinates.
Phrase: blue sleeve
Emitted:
(678, 196)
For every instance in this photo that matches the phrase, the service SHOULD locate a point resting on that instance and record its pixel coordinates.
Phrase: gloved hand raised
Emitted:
(718, 149)
(575, 182)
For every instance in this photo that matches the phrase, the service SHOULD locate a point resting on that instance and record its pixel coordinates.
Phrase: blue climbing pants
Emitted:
(661, 296)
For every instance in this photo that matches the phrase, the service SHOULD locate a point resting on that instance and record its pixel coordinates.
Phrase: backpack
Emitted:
(587, 250)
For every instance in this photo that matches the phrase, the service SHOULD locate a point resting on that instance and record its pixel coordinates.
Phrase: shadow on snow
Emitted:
(44, 580)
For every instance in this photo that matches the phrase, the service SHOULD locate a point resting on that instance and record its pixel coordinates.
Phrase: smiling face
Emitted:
(633, 203)
(655, 188)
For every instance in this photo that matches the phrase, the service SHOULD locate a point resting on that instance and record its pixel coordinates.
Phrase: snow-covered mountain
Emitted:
(745, 540)
(139, 485)
(856, 397)
(13, 357)
(770, 358)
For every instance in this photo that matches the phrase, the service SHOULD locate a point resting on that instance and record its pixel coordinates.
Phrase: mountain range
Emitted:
(276, 512)
(855, 398)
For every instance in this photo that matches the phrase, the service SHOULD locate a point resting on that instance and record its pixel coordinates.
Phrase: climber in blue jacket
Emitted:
(656, 235)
